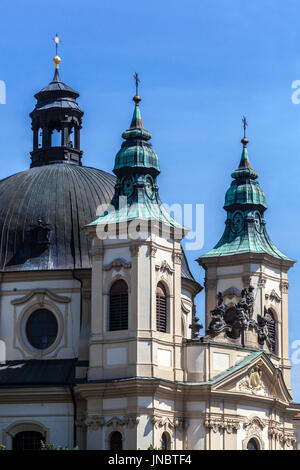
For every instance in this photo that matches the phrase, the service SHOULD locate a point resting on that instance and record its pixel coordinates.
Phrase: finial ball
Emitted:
(57, 61)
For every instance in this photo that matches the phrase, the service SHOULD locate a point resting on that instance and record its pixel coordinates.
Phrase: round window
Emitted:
(41, 329)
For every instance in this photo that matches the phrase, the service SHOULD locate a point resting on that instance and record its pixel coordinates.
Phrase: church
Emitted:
(100, 345)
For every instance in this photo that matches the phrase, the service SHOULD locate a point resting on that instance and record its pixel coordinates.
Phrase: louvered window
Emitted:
(118, 306)
(161, 308)
(271, 329)
(165, 441)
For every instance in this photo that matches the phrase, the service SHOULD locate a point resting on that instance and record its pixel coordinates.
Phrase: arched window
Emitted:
(115, 441)
(271, 325)
(165, 441)
(118, 306)
(161, 308)
(27, 440)
(41, 328)
(252, 445)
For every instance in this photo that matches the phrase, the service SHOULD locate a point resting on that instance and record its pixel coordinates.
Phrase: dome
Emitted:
(247, 192)
(136, 152)
(42, 212)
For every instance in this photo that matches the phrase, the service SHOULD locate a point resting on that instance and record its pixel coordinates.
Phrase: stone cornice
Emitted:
(40, 294)
(255, 258)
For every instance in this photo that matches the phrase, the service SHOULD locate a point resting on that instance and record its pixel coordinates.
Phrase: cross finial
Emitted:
(245, 124)
(57, 41)
(244, 139)
(136, 98)
(56, 59)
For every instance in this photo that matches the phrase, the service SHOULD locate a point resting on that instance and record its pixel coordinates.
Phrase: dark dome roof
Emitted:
(42, 212)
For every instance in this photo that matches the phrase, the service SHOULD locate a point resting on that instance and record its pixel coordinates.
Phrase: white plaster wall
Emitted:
(114, 403)
(221, 361)
(68, 346)
(195, 357)
(195, 406)
(117, 252)
(144, 432)
(163, 404)
(57, 417)
(144, 352)
(229, 270)
(145, 402)
(196, 435)
(270, 285)
(272, 272)
(224, 284)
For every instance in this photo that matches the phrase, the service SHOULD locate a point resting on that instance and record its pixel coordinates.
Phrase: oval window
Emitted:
(41, 329)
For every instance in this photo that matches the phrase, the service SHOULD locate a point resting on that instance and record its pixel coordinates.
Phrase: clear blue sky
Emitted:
(203, 64)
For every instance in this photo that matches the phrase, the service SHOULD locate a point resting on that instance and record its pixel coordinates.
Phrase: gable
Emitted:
(256, 378)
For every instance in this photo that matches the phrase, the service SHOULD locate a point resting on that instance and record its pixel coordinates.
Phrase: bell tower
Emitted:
(56, 123)
(136, 270)
(246, 283)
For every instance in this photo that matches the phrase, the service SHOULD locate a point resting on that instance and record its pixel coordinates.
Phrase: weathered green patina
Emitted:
(136, 192)
(245, 203)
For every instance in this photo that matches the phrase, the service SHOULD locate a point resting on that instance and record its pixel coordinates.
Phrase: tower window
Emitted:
(118, 306)
(161, 308)
(271, 325)
(27, 440)
(56, 138)
(115, 441)
(165, 441)
(41, 329)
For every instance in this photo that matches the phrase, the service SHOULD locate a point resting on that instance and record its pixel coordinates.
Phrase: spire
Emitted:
(136, 151)
(244, 169)
(56, 60)
(245, 204)
(136, 121)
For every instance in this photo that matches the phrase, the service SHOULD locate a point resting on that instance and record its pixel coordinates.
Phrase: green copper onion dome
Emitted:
(245, 204)
(136, 194)
(136, 152)
(245, 190)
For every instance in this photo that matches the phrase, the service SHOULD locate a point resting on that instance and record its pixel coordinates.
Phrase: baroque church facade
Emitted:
(100, 345)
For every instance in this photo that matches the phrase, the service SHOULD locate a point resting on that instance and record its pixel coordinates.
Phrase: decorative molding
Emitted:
(177, 257)
(166, 422)
(284, 287)
(216, 423)
(254, 427)
(278, 433)
(153, 251)
(273, 296)
(185, 306)
(40, 294)
(117, 264)
(93, 422)
(164, 267)
(97, 422)
(261, 281)
(253, 383)
(254, 422)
